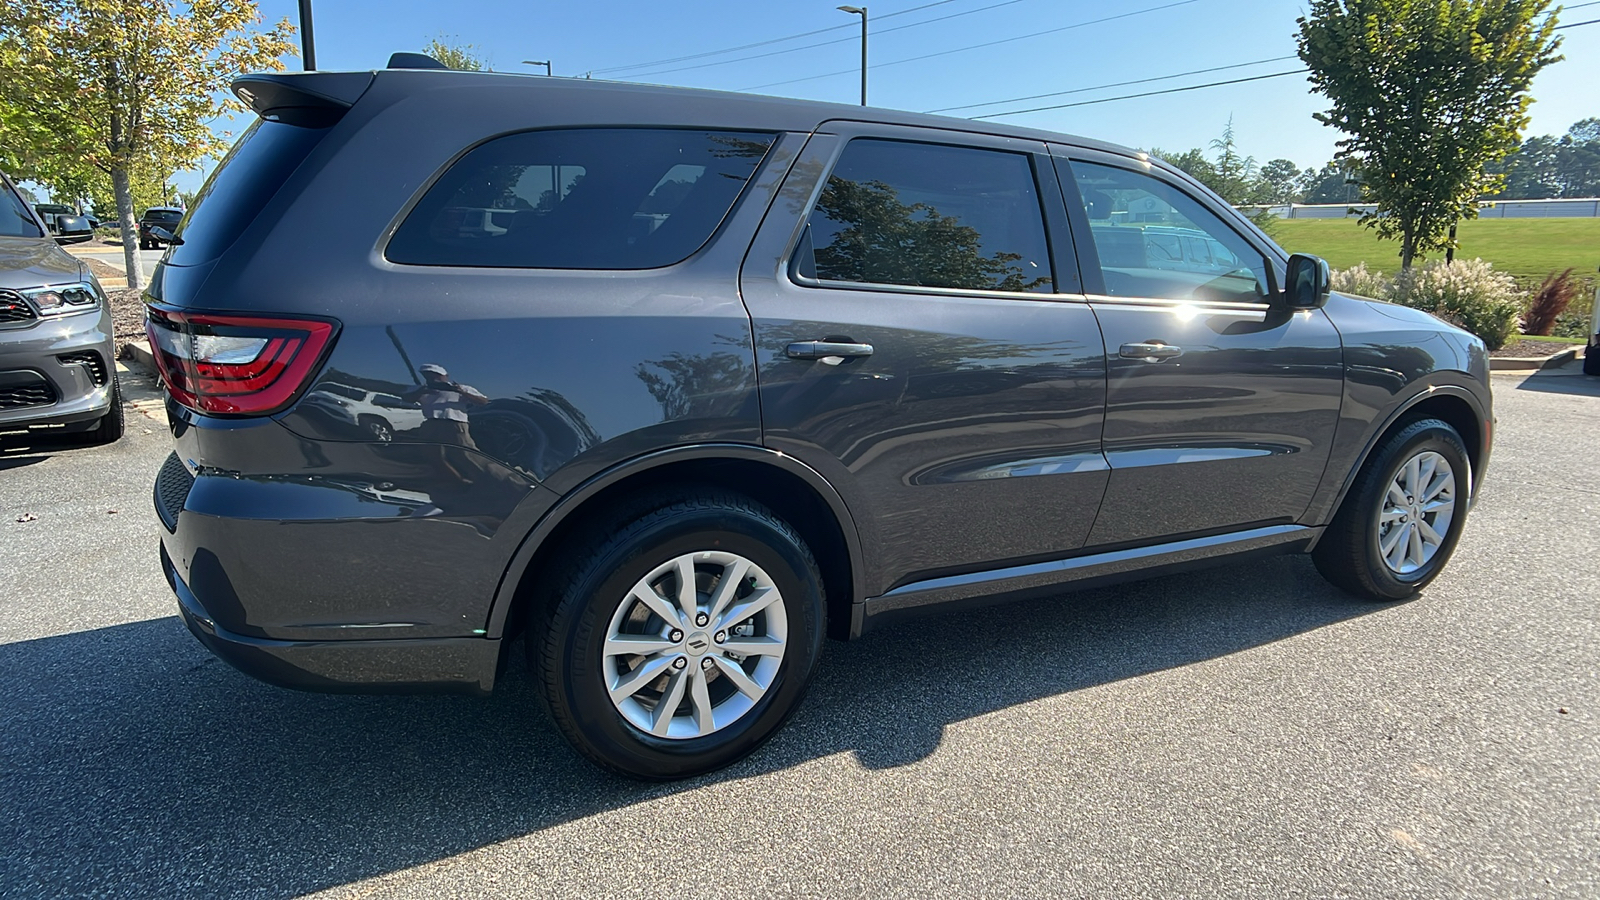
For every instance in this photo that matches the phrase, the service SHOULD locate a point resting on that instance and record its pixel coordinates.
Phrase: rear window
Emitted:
(600, 198)
(162, 215)
(266, 154)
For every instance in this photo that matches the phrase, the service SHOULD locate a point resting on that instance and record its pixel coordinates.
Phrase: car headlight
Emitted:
(62, 298)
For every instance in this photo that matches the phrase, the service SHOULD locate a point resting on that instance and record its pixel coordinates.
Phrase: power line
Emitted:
(876, 33)
(1176, 90)
(778, 40)
(1098, 87)
(1008, 40)
(1576, 24)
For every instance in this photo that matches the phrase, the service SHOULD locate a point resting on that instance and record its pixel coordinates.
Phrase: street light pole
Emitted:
(535, 62)
(308, 45)
(862, 12)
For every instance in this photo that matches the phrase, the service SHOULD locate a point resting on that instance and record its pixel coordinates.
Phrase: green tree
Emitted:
(456, 56)
(1429, 93)
(1278, 182)
(112, 89)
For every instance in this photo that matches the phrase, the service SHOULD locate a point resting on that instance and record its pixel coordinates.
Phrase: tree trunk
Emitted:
(1408, 247)
(122, 187)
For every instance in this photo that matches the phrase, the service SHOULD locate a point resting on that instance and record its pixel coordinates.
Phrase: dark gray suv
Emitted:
(676, 383)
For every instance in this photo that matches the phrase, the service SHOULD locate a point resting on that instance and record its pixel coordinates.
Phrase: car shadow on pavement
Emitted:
(136, 764)
(1567, 380)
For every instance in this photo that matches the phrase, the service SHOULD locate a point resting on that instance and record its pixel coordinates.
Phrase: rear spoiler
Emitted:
(307, 99)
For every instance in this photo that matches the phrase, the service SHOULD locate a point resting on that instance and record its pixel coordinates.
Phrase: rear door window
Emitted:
(598, 198)
(928, 215)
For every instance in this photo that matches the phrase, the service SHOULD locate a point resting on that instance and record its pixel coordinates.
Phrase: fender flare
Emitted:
(573, 500)
(1427, 392)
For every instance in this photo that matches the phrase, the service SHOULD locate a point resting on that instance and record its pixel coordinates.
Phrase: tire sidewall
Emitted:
(604, 588)
(1426, 435)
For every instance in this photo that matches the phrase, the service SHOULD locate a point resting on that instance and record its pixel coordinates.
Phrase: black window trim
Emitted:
(1088, 257)
(1058, 237)
(381, 247)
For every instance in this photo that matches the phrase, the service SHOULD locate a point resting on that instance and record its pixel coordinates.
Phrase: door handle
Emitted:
(825, 349)
(1151, 351)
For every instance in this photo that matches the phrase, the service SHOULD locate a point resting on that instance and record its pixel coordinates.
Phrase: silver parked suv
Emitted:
(57, 366)
(674, 383)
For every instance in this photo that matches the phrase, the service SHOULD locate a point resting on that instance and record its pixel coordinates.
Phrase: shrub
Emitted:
(1575, 322)
(1554, 295)
(1360, 282)
(1469, 293)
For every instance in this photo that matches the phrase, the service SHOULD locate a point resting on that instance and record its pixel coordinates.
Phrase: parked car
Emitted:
(164, 217)
(754, 371)
(57, 367)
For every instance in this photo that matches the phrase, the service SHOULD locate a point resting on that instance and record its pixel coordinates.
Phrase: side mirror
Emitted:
(164, 235)
(1306, 282)
(70, 229)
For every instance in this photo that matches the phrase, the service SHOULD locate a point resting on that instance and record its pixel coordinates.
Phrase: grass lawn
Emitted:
(1533, 247)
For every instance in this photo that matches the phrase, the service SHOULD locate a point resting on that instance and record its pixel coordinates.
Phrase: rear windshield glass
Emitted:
(602, 198)
(249, 175)
(162, 215)
(15, 220)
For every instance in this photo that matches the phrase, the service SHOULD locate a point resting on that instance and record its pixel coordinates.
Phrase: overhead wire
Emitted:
(1113, 84)
(877, 33)
(766, 43)
(993, 43)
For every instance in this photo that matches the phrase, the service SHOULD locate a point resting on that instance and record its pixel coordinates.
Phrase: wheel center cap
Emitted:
(697, 643)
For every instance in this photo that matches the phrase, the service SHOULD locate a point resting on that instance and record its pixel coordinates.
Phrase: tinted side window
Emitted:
(1154, 240)
(15, 220)
(266, 154)
(602, 198)
(929, 215)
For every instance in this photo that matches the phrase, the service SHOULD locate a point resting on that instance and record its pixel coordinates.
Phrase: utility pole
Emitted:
(862, 12)
(308, 44)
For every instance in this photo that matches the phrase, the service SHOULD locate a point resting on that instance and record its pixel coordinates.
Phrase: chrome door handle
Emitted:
(825, 349)
(1152, 351)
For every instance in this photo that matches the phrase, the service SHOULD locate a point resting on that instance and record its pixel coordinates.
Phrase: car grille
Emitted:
(91, 361)
(20, 389)
(15, 309)
(172, 489)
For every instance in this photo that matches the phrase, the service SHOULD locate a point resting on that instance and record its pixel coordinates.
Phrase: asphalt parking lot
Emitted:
(1244, 732)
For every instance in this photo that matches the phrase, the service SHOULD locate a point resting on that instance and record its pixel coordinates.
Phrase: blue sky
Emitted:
(1151, 38)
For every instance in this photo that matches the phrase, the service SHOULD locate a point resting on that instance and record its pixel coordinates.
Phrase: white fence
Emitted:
(1576, 208)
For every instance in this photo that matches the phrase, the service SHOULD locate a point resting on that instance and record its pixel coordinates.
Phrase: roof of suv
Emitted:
(694, 104)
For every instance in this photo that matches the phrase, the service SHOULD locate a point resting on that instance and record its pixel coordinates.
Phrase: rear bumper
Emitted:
(418, 665)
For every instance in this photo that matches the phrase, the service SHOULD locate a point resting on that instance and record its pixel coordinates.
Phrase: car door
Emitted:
(920, 345)
(1221, 404)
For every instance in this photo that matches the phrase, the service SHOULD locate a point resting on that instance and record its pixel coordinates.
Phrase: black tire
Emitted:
(109, 429)
(568, 657)
(1349, 555)
(144, 244)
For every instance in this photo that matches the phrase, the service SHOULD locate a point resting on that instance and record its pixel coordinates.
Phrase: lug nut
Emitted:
(675, 636)
(680, 662)
(721, 636)
(702, 619)
(706, 663)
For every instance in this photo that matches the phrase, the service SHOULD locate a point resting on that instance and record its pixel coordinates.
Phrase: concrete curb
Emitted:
(1532, 363)
(138, 353)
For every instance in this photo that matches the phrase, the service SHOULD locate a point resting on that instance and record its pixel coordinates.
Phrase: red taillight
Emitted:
(233, 364)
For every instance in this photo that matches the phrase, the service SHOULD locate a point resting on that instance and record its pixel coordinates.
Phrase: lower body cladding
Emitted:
(956, 592)
(450, 665)
(56, 373)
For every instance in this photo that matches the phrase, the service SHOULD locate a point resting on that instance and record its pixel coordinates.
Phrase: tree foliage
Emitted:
(1547, 166)
(1429, 93)
(456, 56)
(96, 91)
